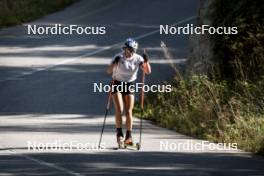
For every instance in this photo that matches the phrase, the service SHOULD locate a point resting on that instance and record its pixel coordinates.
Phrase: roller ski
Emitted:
(129, 144)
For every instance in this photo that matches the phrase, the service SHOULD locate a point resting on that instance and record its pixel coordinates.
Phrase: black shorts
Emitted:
(123, 87)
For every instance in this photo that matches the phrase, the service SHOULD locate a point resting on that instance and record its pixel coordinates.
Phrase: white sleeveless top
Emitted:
(127, 68)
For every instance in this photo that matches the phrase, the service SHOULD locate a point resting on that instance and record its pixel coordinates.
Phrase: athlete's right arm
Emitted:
(114, 63)
(110, 68)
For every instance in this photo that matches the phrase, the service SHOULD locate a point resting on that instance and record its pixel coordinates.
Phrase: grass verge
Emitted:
(211, 110)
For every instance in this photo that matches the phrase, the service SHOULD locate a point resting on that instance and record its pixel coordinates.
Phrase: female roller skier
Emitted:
(124, 68)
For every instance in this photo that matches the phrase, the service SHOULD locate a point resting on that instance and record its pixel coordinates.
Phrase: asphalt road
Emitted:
(46, 96)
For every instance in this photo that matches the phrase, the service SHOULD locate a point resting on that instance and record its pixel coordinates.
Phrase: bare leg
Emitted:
(129, 105)
(118, 102)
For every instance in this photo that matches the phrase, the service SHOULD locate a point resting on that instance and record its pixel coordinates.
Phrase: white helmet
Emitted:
(131, 44)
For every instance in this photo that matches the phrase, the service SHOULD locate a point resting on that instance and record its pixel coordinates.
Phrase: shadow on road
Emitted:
(137, 163)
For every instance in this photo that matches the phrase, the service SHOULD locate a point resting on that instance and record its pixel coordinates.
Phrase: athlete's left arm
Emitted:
(146, 67)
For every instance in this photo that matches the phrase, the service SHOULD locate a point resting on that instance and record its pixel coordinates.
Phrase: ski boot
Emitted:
(128, 141)
(119, 138)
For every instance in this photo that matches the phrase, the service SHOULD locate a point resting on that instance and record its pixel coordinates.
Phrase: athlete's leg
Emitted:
(117, 97)
(118, 102)
(129, 105)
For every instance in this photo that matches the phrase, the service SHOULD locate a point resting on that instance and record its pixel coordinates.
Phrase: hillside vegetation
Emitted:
(227, 103)
(16, 12)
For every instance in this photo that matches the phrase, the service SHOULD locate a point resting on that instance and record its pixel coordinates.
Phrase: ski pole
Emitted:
(141, 107)
(106, 112)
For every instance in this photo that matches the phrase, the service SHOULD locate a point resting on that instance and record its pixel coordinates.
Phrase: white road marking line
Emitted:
(41, 162)
(93, 52)
(156, 31)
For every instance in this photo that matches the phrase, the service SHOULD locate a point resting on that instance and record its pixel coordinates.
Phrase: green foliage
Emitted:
(241, 56)
(229, 105)
(18, 11)
(211, 110)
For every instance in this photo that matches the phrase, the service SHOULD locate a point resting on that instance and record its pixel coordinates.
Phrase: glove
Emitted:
(116, 60)
(145, 57)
